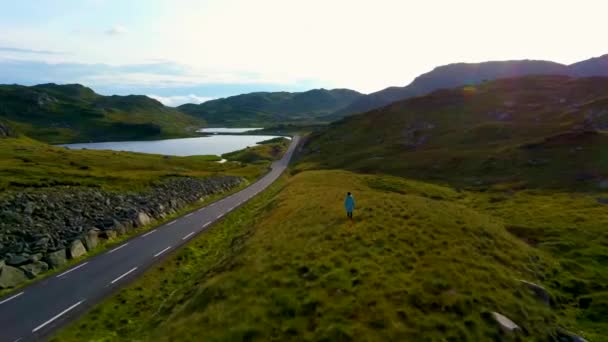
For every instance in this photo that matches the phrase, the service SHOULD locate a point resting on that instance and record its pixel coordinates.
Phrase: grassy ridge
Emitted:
(419, 262)
(514, 131)
(264, 151)
(73, 113)
(26, 163)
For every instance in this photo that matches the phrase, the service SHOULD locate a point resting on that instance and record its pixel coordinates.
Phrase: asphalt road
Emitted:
(38, 310)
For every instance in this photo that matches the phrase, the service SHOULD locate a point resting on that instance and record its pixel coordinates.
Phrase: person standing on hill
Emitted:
(349, 205)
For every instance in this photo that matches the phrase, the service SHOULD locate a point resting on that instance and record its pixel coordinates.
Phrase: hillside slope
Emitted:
(270, 108)
(459, 74)
(73, 113)
(506, 131)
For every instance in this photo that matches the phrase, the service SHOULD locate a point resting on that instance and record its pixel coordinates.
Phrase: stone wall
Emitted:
(42, 229)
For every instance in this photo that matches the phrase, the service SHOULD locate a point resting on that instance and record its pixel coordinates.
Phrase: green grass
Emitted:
(419, 262)
(265, 151)
(25, 163)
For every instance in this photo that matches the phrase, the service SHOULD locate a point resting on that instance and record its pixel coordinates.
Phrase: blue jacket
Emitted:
(349, 203)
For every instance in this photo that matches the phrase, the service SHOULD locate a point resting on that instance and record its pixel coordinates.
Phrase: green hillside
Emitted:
(470, 202)
(511, 133)
(264, 108)
(74, 113)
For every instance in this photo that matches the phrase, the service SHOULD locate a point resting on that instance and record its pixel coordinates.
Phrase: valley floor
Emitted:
(419, 262)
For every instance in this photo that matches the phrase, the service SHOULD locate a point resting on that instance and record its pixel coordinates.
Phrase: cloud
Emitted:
(117, 30)
(174, 101)
(32, 51)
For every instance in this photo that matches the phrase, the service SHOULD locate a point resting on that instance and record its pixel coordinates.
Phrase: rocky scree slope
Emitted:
(42, 229)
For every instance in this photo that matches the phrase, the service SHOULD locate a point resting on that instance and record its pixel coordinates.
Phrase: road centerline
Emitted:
(57, 316)
(11, 298)
(123, 275)
(161, 252)
(148, 233)
(117, 248)
(71, 270)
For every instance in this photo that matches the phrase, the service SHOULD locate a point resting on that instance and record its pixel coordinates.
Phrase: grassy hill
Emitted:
(26, 163)
(73, 113)
(463, 196)
(265, 151)
(511, 132)
(263, 108)
(460, 74)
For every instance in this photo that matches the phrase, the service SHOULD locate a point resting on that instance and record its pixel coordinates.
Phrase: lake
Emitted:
(226, 130)
(210, 145)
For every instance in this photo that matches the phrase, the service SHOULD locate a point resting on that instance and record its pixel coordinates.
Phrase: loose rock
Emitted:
(57, 259)
(91, 239)
(11, 276)
(538, 290)
(35, 268)
(506, 325)
(77, 249)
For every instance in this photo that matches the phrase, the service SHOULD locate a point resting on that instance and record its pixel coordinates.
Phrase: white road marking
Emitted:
(231, 209)
(201, 209)
(170, 223)
(11, 298)
(187, 236)
(19, 339)
(219, 216)
(124, 275)
(73, 269)
(161, 252)
(148, 233)
(117, 248)
(189, 215)
(54, 318)
(206, 224)
(212, 204)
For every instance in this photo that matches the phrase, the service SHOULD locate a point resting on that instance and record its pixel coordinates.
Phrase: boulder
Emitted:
(77, 249)
(35, 268)
(18, 260)
(567, 336)
(143, 219)
(91, 239)
(11, 276)
(538, 290)
(36, 257)
(506, 325)
(57, 259)
(108, 235)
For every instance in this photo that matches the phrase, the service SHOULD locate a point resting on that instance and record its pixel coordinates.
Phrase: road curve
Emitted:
(36, 311)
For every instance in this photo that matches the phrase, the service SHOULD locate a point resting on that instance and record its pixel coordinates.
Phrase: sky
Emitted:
(180, 51)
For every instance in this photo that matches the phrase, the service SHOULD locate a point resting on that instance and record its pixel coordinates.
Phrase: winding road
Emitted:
(35, 312)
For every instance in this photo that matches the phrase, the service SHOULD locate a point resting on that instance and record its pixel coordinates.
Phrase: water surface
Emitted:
(210, 145)
(226, 130)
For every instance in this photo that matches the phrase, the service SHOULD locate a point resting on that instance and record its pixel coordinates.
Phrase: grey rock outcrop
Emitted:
(77, 249)
(143, 219)
(11, 276)
(5, 131)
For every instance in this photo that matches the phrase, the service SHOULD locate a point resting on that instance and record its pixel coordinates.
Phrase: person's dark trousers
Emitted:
(349, 214)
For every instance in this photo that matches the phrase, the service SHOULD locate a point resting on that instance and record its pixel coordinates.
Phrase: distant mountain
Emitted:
(458, 74)
(69, 113)
(272, 107)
